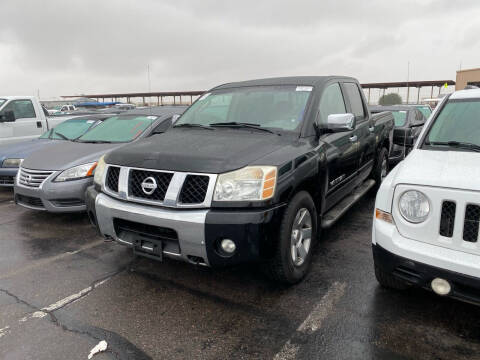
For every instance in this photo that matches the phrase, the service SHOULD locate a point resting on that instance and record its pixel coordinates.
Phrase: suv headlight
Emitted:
(414, 206)
(77, 172)
(12, 163)
(251, 183)
(101, 165)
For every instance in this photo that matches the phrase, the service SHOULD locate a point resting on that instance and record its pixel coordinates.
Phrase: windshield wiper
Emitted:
(456, 144)
(61, 135)
(235, 124)
(194, 126)
(95, 141)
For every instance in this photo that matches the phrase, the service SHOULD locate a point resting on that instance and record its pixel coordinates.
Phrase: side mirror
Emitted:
(340, 122)
(8, 116)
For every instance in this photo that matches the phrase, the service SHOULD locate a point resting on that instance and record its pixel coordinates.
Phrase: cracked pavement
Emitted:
(63, 289)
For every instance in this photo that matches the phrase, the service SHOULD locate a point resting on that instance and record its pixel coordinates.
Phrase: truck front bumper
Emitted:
(418, 263)
(7, 177)
(191, 235)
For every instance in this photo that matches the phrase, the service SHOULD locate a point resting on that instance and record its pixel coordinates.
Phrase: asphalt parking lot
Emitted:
(63, 289)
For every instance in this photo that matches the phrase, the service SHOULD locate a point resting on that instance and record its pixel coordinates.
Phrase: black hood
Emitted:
(199, 150)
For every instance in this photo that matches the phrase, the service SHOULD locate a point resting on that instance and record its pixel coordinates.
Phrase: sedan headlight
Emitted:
(12, 163)
(251, 183)
(77, 172)
(101, 165)
(414, 206)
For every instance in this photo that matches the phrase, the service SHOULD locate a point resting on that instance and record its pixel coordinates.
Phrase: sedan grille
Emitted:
(33, 178)
(7, 180)
(29, 201)
(194, 189)
(157, 184)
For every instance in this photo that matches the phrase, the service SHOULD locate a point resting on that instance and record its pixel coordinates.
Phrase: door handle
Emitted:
(39, 124)
(371, 129)
(353, 139)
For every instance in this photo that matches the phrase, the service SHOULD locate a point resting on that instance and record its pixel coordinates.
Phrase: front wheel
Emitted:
(381, 168)
(297, 236)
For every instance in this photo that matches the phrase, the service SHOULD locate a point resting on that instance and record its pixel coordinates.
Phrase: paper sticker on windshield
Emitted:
(402, 111)
(151, 117)
(304, 88)
(90, 121)
(204, 96)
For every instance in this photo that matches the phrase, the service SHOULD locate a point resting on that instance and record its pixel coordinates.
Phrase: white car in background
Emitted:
(427, 211)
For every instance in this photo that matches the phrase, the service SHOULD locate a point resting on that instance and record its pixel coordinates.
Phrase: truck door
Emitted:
(26, 125)
(342, 150)
(364, 130)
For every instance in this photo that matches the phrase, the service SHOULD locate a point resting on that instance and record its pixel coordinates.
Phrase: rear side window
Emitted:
(419, 116)
(353, 94)
(21, 108)
(400, 117)
(331, 102)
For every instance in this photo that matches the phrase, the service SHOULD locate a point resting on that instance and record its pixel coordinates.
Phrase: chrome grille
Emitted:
(33, 178)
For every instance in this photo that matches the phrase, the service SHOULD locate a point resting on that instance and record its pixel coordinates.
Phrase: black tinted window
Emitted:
(353, 93)
(331, 102)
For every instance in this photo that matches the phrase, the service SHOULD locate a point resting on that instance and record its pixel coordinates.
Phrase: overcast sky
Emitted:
(64, 47)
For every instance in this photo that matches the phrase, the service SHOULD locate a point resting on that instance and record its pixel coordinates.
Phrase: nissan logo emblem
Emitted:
(149, 185)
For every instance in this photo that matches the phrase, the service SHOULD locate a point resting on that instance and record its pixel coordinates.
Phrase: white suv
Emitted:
(427, 211)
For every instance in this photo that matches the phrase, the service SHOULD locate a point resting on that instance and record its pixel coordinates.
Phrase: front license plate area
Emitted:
(148, 248)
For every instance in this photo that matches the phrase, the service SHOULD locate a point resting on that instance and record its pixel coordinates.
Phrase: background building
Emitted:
(467, 77)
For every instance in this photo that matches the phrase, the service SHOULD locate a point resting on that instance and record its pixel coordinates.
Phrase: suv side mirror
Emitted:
(8, 116)
(340, 122)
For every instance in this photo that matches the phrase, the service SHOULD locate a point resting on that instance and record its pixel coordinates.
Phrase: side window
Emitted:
(21, 108)
(353, 94)
(331, 102)
(419, 116)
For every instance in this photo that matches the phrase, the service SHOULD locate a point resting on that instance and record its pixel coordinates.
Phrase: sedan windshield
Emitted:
(70, 129)
(456, 126)
(275, 107)
(119, 129)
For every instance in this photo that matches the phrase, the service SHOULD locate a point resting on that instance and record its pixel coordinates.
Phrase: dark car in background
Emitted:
(12, 155)
(55, 178)
(409, 121)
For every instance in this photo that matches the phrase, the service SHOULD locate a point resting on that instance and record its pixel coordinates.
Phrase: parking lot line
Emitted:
(49, 260)
(314, 320)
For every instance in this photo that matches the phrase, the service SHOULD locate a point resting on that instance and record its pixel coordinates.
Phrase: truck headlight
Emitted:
(251, 183)
(12, 163)
(101, 165)
(77, 172)
(414, 206)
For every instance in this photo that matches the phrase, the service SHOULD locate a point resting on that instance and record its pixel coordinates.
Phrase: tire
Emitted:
(282, 267)
(389, 281)
(381, 168)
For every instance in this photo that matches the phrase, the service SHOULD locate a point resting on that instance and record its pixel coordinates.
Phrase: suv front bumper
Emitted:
(418, 263)
(191, 235)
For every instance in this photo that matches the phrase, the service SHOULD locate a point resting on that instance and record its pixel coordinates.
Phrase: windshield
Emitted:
(119, 129)
(400, 117)
(277, 107)
(2, 101)
(425, 110)
(71, 129)
(458, 121)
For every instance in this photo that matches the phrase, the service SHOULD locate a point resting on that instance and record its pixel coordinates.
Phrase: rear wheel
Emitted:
(380, 171)
(297, 236)
(388, 280)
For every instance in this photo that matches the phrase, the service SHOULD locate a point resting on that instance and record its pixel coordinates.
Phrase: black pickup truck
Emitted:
(250, 172)
(409, 121)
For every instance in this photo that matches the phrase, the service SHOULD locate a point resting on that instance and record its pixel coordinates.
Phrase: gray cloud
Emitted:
(61, 46)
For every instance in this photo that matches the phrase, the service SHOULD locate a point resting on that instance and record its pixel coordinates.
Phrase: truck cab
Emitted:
(426, 225)
(23, 118)
(249, 173)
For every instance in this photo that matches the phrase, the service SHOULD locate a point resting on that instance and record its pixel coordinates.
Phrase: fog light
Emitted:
(228, 246)
(441, 286)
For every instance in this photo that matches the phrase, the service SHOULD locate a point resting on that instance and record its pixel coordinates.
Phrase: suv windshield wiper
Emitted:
(194, 125)
(235, 124)
(457, 144)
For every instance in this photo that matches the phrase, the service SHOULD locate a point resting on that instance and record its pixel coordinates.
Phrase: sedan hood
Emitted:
(66, 154)
(21, 150)
(199, 150)
(449, 169)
